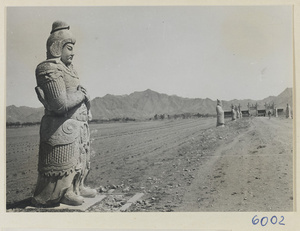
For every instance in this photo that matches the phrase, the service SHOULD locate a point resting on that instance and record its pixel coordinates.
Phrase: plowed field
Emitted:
(179, 165)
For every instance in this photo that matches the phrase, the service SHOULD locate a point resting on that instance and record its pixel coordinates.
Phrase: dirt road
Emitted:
(252, 172)
(245, 166)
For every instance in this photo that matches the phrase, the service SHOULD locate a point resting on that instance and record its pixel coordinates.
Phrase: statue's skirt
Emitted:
(63, 154)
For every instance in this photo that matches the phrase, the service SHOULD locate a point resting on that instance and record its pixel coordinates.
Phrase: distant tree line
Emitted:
(180, 116)
(19, 124)
(95, 121)
(100, 121)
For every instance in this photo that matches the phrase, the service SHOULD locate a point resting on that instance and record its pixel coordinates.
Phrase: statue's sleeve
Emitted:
(52, 85)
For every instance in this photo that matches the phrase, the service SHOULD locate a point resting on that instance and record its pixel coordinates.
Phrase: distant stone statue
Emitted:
(64, 151)
(233, 113)
(220, 114)
(237, 112)
(240, 112)
(276, 112)
(288, 111)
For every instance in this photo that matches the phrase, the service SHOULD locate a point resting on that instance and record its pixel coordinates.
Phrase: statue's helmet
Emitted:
(219, 102)
(59, 36)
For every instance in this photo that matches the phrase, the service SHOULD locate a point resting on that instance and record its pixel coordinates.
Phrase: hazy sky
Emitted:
(195, 52)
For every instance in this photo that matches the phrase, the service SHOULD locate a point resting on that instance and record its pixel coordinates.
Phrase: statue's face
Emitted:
(67, 54)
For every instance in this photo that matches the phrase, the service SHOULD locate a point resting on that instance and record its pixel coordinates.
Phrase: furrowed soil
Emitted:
(179, 165)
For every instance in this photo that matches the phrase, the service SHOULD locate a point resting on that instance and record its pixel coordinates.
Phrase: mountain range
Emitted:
(146, 104)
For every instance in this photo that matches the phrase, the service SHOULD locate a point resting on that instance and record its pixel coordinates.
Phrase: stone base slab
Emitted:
(88, 202)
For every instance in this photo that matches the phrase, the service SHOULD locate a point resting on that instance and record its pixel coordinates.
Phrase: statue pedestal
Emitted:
(88, 202)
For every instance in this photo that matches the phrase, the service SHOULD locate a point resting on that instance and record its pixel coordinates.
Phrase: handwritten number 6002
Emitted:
(264, 220)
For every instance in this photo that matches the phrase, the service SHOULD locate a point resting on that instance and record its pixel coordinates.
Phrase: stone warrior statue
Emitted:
(240, 111)
(237, 112)
(64, 151)
(220, 114)
(233, 113)
(288, 111)
(276, 112)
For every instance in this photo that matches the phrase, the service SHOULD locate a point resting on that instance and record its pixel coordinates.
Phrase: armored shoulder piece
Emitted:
(51, 88)
(48, 65)
(47, 70)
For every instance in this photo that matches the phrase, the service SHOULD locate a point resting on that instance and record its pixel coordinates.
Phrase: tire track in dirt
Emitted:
(203, 180)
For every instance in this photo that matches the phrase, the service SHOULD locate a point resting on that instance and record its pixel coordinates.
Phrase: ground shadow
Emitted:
(27, 206)
(19, 204)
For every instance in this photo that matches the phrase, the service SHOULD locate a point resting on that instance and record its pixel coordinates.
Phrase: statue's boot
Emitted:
(70, 198)
(86, 191)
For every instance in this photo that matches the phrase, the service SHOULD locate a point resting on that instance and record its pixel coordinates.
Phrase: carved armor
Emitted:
(64, 120)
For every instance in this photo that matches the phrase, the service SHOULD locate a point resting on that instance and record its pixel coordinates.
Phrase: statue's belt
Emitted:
(79, 114)
(60, 130)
